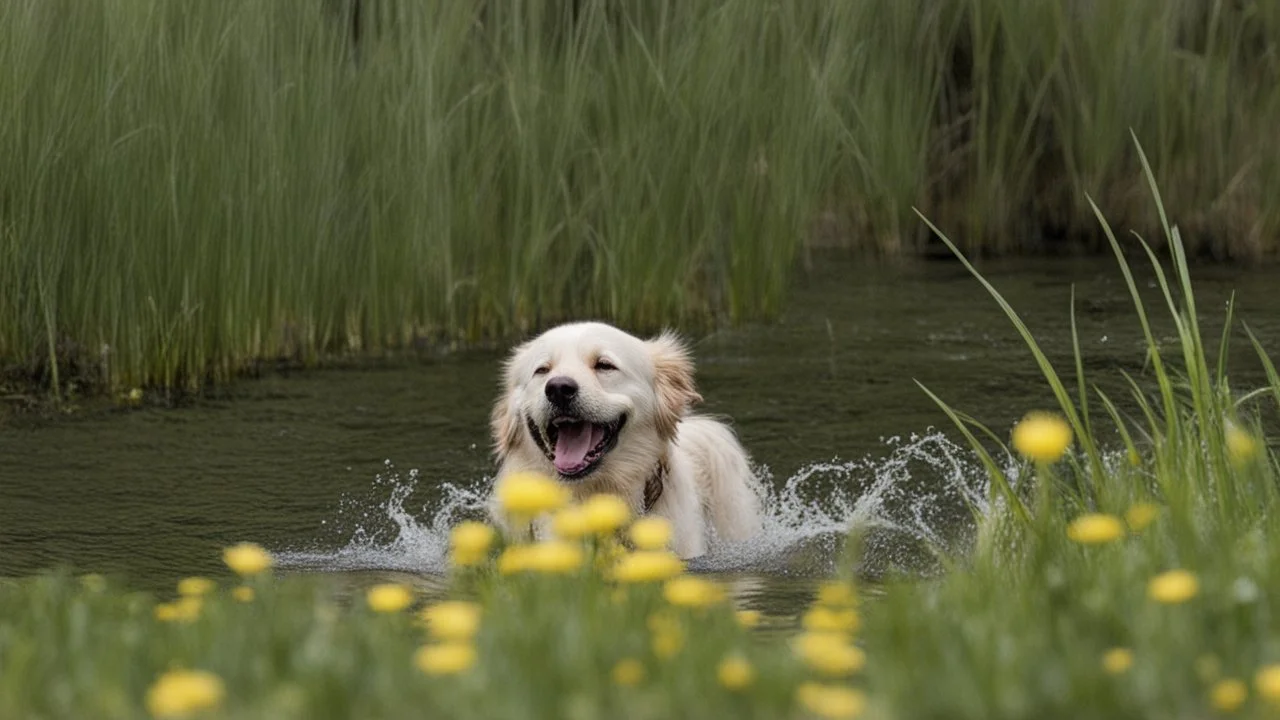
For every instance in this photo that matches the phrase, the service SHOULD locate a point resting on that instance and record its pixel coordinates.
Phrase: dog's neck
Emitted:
(653, 486)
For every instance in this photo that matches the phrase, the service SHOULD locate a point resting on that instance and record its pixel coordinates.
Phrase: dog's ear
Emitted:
(673, 380)
(504, 420)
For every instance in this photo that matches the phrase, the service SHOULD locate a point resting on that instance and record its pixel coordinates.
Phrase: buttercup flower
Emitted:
(449, 658)
(243, 593)
(196, 586)
(647, 566)
(837, 594)
(469, 543)
(833, 702)
(93, 582)
(1140, 515)
(829, 653)
(514, 559)
(1117, 660)
(453, 619)
(1241, 444)
(1267, 682)
(179, 693)
(554, 557)
(389, 597)
(1228, 695)
(668, 636)
(184, 609)
(1095, 529)
(689, 591)
(735, 672)
(1042, 436)
(605, 513)
(570, 523)
(246, 559)
(651, 533)
(527, 494)
(1173, 587)
(748, 618)
(628, 672)
(826, 619)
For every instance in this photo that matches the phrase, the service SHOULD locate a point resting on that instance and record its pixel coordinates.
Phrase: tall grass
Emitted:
(193, 186)
(1021, 626)
(190, 188)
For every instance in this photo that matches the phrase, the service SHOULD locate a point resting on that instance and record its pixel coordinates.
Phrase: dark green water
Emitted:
(343, 471)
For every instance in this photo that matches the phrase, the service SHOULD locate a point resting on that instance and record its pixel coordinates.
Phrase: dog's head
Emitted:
(578, 392)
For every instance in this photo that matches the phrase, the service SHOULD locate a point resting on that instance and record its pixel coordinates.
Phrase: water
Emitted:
(359, 473)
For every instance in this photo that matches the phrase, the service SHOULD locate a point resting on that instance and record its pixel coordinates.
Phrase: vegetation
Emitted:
(192, 188)
(1142, 584)
(1137, 584)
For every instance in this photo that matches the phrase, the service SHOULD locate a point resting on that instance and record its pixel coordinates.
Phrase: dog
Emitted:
(603, 411)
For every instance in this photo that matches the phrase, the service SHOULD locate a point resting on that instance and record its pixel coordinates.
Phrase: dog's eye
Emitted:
(542, 370)
(603, 364)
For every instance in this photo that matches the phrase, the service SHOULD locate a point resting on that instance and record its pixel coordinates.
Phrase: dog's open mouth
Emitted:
(577, 446)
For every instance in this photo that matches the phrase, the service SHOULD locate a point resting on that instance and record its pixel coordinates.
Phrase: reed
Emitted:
(191, 188)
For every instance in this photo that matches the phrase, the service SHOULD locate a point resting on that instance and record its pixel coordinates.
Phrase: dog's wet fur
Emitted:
(603, 411)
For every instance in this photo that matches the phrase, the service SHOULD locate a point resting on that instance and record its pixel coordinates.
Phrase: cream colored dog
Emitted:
(606, 412)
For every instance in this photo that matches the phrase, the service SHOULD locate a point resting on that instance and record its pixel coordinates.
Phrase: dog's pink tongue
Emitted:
(573, 443)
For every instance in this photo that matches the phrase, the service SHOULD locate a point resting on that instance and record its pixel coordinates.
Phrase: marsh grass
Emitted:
(1019, 627)
(193, 189)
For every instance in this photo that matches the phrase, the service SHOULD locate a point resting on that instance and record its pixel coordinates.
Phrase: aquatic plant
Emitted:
(197, 190)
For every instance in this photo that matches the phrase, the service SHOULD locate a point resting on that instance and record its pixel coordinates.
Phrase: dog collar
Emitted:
(653, 486)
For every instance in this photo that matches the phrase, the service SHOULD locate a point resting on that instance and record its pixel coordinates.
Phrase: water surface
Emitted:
(358, 473)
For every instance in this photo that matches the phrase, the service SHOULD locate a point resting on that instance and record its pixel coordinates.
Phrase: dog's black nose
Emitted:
(561, 390)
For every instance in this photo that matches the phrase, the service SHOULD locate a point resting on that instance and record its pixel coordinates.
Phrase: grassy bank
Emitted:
(191, 188)
(1124, 567)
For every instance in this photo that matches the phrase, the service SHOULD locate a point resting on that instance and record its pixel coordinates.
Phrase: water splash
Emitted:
(915, 499)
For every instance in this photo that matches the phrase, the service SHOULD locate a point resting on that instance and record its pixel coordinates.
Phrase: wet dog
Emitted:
(603, 411)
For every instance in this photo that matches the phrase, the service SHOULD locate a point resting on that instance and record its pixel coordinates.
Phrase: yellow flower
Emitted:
(528, 493)
(689, 591)
(1095, 529)
(243, 593)
(647, 566)
(651, 533)
(246, 559)
(1042, 436)
(1117, 660)
(829, 653)
(469, 543)
(833, 702)
(514, 559)
(184, 609)
(837, 594)
(629, 672)
(1140, 515)
(1172, 587)
(196, 586)
(453, 620)
(1241, 444)
(93, 582)
(554, 557)
(449, 658)
(179, 693)
(748, 618)
(735, 672)
(389, 597)
(570, 523)
(1267, 682)
(605, 513)
(667, 643)
(1228, 695)
(826, 619)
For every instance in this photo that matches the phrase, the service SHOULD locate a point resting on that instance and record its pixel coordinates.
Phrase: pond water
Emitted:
(359, 473)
